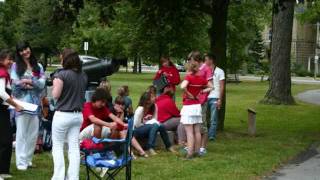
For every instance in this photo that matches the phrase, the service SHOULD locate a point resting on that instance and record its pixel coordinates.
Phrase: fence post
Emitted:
(251, 122)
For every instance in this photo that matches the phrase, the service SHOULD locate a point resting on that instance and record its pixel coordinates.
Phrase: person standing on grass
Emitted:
(69, 87)
(206, 72)
(28, 82)
(191, 116)
(216, 95)
(6, 59)
(169, 70)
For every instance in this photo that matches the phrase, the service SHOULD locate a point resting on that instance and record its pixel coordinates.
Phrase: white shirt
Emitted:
(218, 75)
(3, 94)
(138, 115)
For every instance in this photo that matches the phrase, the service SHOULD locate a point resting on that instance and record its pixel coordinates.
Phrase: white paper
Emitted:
(26, 106)
(152, 121)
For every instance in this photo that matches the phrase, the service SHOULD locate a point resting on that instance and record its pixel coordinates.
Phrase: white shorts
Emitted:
(88, 132)
(191, 114)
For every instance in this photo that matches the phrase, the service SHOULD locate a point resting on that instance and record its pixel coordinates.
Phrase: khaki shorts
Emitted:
(205, 118)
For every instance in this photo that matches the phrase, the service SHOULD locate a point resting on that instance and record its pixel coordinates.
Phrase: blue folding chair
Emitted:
(107, 159)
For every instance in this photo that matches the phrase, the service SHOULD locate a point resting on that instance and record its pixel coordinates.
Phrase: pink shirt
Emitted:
(206, 72)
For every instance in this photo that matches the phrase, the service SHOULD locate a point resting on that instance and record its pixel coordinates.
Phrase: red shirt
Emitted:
(173, 75)
(89, 110)
(166, 108)
(195, 85)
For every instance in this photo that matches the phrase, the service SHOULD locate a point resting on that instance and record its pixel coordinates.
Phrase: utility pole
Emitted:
(317, 52)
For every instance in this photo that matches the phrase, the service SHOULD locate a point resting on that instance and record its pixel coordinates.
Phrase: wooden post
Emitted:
(251, 122)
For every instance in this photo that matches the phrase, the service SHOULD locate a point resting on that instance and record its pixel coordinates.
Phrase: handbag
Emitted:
(161, 82)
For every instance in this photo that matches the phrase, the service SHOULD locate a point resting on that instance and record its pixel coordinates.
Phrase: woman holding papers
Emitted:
(6, 60)
(146, 124)
(28, 80)
(69, 87)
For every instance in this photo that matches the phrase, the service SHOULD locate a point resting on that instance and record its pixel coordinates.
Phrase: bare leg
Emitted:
(197, 135)
(97, 131)
(137, 146)
(190, 138)
(204, 140)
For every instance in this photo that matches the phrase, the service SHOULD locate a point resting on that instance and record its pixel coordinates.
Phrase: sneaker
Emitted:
(145, 155)
(30, 165)
(202, 151)
(152, 152)
(103, 172)
(171, 149)
(22, 168)
(1, 178)
(5, 176)
(212, 139)
(184, 150)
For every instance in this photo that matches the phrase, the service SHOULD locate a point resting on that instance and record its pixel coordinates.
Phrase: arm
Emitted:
(155, 113)
(208, 88)
(116, 119)
(173, 109)
(100, 122)
(183, 86)
(57, 88)
(222, 86)
(40, 82)
(175, 78)
(5, 96)
(18, 84)
(138, 117)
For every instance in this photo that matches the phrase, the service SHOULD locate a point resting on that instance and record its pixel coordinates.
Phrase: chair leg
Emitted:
(87, 168)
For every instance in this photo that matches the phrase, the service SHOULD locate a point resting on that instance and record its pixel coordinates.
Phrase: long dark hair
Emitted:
(21, 65)
(72, 61)
(144, 99)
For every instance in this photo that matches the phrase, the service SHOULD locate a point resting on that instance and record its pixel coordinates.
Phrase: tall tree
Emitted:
(279, 91)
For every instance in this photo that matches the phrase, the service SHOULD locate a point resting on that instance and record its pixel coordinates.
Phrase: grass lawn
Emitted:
(283, 131)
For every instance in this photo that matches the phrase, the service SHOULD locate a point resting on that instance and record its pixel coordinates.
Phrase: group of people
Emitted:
(77, 119)
(203, 90)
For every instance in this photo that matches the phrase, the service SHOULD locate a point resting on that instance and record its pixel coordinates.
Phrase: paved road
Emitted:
(312, 96)
(307, 164)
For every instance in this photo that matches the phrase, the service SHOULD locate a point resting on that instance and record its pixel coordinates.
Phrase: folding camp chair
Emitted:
(106, 158)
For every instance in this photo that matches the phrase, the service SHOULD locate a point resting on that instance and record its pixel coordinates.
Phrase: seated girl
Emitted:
(146, 124)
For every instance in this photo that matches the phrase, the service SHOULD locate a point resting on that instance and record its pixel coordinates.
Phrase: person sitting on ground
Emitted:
(97, 118)
(169, 114)
(146, 124)
(123, 91)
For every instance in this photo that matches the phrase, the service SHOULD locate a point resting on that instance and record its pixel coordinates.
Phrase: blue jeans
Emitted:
(212, 105)
(150, 131)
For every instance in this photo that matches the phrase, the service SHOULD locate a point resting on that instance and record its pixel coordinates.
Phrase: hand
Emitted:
(18, 108)
(26, 81)
(113, 125)
(147, 117)
(218, 103)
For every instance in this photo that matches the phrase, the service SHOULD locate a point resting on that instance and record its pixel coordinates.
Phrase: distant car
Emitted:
(180, 68)
(86, 59)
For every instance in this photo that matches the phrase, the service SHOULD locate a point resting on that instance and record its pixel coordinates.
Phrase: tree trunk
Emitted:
(280, 77)
(139, 60)
(218, 44)
(135, 64)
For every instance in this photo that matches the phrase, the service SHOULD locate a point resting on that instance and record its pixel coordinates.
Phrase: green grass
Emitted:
(282, 132)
